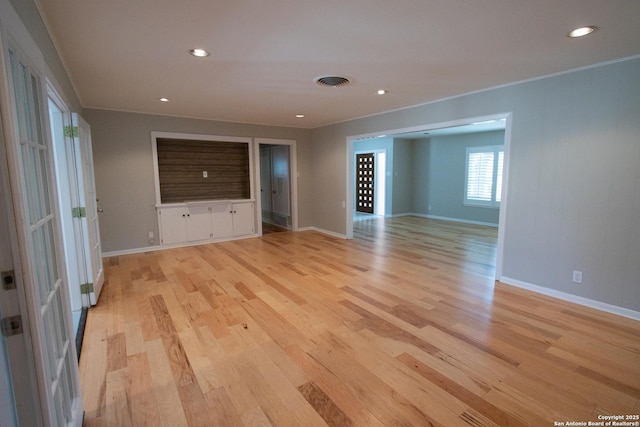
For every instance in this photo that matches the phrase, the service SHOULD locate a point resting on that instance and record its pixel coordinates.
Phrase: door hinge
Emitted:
(11, 326)
(8, 280)
(71, 131)
(80, 212)
(86, 288)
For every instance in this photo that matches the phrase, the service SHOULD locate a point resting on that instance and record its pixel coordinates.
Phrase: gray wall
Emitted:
(445, 160)
(403, 178)
(573, 200)
(124, 169)
(30, 17)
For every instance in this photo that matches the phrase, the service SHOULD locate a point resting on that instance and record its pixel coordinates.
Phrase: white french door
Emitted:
(90, 221)
(30, 159)
(19, 403)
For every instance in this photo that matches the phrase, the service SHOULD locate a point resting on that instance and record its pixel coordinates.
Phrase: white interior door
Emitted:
(281, 200)
(31, 164)
(265, 177)
(90, 203)
(67, 185)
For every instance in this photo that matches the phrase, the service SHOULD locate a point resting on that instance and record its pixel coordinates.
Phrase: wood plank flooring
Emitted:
(402, 326)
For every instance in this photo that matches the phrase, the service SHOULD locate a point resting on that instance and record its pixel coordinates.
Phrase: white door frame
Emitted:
(293, 178)
(426, 127)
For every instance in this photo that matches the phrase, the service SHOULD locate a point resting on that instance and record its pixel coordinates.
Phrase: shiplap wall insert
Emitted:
(191, 167)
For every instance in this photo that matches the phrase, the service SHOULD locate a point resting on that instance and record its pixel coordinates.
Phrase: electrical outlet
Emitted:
(577, 276)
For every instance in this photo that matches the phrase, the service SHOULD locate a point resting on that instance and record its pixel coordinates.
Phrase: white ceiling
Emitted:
(265, 55)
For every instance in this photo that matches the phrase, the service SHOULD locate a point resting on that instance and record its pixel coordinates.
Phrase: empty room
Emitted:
(223, 213)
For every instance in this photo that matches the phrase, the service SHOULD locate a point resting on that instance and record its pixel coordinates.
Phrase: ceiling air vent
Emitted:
(333, 81)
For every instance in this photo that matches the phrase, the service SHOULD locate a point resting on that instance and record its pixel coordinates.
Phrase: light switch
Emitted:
(204, 174)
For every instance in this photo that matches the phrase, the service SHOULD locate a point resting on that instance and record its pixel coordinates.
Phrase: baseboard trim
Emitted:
(323, 231)
(133, 251)
(446, 218)
(177, 245)
(598, 305)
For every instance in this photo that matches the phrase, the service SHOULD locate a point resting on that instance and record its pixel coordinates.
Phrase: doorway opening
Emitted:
(276, 165)
(370, 184)
(410, 191)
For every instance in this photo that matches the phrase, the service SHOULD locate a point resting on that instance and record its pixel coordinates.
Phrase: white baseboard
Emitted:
(446, 218)
(177, 245)
(323, 231)
(609, 308)
(133, 251)
(464, 221)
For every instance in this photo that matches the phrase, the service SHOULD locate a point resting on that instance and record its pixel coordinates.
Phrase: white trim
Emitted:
(323, 231)
(609, 308)
(176, 245)
(134, 251)
(463, 221)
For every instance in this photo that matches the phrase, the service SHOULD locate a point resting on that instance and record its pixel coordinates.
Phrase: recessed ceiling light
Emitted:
(582, 31)
(163, 99)
(382, 92)
(200, 53)
(299, 116)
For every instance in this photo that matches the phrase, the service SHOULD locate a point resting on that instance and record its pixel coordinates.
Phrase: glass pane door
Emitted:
(47, 292)
(91, 221)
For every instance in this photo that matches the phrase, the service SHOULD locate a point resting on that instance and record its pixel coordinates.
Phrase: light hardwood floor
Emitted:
(402, 326)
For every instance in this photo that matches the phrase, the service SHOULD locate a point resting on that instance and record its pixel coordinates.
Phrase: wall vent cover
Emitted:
(333, 81)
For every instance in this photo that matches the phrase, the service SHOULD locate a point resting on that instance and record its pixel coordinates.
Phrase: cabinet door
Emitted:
(173, 225)
(198, 223)
(243, 222)
(222, 217)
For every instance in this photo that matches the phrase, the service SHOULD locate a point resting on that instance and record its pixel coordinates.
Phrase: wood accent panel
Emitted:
(404, 325)
(181, 164)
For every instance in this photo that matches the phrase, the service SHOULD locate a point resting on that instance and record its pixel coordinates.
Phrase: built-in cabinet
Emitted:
(203, 221)
(214, 174)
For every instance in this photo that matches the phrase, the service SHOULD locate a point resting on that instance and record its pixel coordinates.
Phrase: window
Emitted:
(483, 183)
